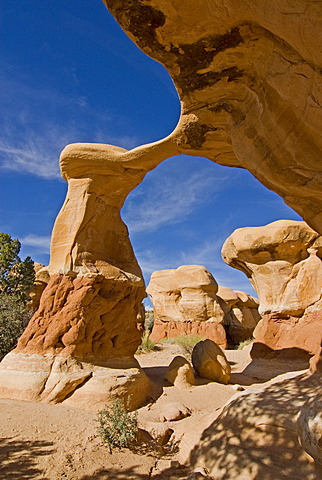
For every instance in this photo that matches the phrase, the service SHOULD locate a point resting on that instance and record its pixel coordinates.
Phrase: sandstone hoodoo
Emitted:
(90, 316)
(283, 262)
(188, 300)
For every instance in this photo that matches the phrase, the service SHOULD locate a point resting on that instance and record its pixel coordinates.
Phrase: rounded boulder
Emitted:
(210, 362)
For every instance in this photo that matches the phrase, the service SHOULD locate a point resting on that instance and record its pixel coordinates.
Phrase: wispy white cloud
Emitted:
(208, 253)
(42, 243)
(169, 198)
(37, 123)
(29, 157)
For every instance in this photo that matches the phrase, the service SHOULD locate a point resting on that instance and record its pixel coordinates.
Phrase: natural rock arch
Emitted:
(248, 76)
(249, 87)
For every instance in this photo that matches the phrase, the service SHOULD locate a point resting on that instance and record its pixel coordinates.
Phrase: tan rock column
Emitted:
(92, 305)
(89, 321)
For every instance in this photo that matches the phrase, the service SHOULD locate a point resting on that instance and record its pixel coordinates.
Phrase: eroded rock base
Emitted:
(291, 337)
(90, 317)
(56, 379)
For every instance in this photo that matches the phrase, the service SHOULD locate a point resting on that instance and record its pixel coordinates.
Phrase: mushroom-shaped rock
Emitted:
(180, 373)
(283, 262)
(185, 302)
(210, 362)
(188, 300)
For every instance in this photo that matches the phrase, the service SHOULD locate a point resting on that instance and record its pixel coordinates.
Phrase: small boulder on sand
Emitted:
(180, 373)
(210, 362)
(172, 412)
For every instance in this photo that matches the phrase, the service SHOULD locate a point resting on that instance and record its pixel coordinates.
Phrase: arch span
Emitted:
(249, 79)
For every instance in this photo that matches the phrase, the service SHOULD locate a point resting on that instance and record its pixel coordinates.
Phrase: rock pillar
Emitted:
(283, 262)
(89, 321)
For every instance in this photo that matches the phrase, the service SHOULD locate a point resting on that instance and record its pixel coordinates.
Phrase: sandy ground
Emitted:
(53, 442)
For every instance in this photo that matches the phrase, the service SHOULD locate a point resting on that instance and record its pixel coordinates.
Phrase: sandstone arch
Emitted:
(248, 75)
(250, 88)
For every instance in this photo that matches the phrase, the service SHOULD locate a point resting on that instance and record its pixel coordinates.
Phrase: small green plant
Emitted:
(149, 320)
(244, 343)
(14, 316)
(168, 340)
(117, 426)
(187, 342)
(147, 345)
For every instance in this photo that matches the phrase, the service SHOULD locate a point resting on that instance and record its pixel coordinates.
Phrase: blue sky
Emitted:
(69, 74)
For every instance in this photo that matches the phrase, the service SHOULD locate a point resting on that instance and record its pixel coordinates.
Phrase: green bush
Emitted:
(16, 276)
(117, 426)
(14, 316)
(16, 280)
(147, 345)
(244, 343)
(187, 342)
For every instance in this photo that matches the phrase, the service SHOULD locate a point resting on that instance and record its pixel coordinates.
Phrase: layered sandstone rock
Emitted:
(81, 341)
(41, 280)
(249, 79)
(250, 87)
(241, 314)
(187, 300)
(282, 261)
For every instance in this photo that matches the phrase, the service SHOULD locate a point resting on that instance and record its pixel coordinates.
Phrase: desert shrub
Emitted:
(149, 320)
(117, 426)
(187, 342)
(16, 280)
(16, 276)
(244, 343)
(14, 316)
(147, 345)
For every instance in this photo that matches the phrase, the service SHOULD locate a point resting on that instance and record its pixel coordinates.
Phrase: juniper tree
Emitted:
(16, 280)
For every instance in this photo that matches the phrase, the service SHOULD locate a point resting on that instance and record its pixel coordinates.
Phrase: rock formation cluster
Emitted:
(249, 78)
(283, 262)
(188, 300)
